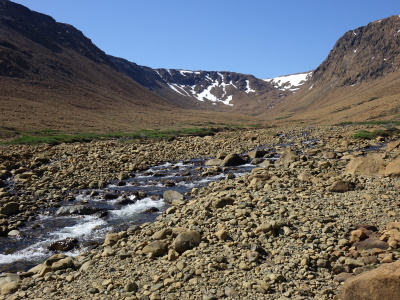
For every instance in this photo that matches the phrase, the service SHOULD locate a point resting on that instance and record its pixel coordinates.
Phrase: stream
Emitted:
(120, 205)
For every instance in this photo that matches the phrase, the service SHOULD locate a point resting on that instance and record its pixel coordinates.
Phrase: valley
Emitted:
(121, 181)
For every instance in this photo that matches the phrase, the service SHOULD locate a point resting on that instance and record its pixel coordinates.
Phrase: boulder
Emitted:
(75, 210)
(186, 240)
(257, 161)
(64, 245)
(10, 208)
(258, 181)
(213, 162)
(371, 243)
(266, 163)
(305, 176)
(372, 165)
(257, 153)
(14, 232)
(342, 277)
(157, 247)
(10, 288)
(378, 284)
(54, 258)
(224, 201)
(222, 235)
(5, 280)
(125, 201)
(329, 155)
(62, 264)
(161, 234)
(392, 145)
(342, 186)
(171, 195)
(152, 210)
(111, 239)
(287, 157)
(110, 196)
(3, 230)
(393, 168)
(393, 225)
(233, 160)
(221, 155)
(4, 174)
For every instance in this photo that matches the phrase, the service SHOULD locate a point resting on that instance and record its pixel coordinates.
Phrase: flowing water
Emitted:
(143, 193)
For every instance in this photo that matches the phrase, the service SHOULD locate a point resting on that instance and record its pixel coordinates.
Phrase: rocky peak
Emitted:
(43, 30)
(363, 54)
(217, 87)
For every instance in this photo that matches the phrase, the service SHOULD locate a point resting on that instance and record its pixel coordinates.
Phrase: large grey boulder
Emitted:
(186, 240)
(9, 209)
(379, 284)
(172, 195)
(157, 247)
(75, 210)
(233, 160)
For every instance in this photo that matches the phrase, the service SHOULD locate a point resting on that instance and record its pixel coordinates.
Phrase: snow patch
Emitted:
(173, 86)
(290, 82)
(248, 88)
(207, 90)
(184, 72)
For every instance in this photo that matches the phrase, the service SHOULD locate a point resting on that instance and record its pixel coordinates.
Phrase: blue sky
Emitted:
(263, 38)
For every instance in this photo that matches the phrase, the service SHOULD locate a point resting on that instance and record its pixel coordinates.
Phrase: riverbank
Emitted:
(281, 232)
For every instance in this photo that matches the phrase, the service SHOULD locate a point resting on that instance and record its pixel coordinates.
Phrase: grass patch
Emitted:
(387, 124)
(283, 118)
(55, 137)
(369, 135)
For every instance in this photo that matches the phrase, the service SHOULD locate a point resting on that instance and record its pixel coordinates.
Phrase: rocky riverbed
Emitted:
(296, 228)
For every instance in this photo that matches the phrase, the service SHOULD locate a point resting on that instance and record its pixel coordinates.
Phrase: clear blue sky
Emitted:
(259, 37)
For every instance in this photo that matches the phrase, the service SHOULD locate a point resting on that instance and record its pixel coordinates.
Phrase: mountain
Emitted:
(359, 80)
(53, 77)
(206, 90)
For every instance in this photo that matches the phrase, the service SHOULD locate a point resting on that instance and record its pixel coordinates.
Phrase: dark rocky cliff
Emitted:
(361, 55)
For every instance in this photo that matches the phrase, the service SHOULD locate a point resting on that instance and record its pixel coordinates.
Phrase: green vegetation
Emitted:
(381, 123)
(283, 118)
(55, 137)
(369, 135)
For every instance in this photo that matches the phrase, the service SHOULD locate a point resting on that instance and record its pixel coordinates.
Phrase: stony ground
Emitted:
(293, 229)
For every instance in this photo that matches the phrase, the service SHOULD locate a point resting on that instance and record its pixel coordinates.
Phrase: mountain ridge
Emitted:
(54, 76)
(364, 64)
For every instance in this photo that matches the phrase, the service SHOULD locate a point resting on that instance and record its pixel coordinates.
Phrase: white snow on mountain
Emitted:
(290, 82)
(208, 91)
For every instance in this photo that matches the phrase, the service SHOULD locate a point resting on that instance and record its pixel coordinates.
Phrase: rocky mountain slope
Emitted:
(52, 76)
(361, 55)
(358, 80)
(207, 90)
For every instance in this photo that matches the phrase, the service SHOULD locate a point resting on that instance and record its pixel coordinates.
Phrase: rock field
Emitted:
(300, 227)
